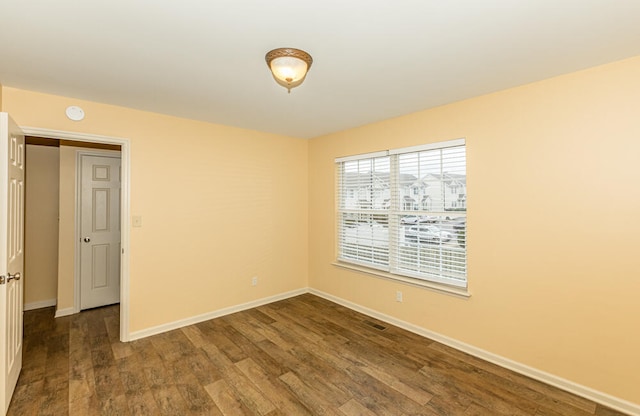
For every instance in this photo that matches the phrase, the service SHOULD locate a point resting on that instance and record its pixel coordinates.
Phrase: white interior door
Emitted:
(99, 231)
(12, 151)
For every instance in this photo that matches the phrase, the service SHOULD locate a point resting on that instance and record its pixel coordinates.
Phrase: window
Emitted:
(387, 229)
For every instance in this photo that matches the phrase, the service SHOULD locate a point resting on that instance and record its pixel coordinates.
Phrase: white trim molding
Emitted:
(39, 304)
(604, 399)
(459, 292)
(64, 312)
(214, 314)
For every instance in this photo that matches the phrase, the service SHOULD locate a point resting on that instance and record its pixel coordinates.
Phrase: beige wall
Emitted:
(553, 228)
(66, 241)
(219, 205)
(41, 225)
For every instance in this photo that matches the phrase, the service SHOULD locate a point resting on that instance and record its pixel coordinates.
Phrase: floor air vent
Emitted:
(375, 325)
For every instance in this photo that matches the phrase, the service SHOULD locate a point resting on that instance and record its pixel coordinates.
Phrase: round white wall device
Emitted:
(75, 113)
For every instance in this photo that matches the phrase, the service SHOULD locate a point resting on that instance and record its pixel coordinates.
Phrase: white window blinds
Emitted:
(404, 211)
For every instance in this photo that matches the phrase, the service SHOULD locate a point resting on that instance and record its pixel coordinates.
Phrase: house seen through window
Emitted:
(404, 212)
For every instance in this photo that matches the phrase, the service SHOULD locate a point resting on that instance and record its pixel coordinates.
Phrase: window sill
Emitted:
(436, 287)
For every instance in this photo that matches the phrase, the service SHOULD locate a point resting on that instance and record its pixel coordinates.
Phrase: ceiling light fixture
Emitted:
(289, 66)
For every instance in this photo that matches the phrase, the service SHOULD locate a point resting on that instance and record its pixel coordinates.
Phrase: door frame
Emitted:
(78, 218)
(125, 210)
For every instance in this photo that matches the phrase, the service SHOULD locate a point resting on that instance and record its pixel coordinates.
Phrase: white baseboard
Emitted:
(39, 304)
(604, 399)
(213, 314)
(64, 312)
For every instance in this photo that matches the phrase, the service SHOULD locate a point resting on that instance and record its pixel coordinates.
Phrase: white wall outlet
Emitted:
(398, 296)
(254, 280)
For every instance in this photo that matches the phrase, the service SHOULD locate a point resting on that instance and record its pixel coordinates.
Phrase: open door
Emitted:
(12, 151)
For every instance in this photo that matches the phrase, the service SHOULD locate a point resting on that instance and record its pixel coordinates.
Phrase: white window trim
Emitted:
(429, 146)
(437, 284)
(426, 284)
(362, 156)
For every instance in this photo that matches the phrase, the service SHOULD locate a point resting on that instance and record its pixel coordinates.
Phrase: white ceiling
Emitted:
(373, 59)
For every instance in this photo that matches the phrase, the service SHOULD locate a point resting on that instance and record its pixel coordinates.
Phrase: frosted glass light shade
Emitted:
(289, 66)
(288, 69)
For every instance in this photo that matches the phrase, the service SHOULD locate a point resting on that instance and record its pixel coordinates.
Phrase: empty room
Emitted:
(320, 208)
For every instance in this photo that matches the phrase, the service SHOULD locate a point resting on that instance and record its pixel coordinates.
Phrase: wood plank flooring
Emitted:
(301, 356)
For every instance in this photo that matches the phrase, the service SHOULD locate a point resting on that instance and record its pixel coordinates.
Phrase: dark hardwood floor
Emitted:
(301, 356)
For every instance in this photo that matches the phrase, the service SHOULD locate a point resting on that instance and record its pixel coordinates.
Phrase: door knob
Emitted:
(15, 276)
(9, 278)
(87, 240)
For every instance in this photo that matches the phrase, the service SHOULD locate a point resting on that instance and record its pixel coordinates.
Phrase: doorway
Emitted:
(92, 141)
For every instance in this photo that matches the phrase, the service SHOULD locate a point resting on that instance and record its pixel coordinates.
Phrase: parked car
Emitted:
(426, 234)
(414, 219)
(460, 227)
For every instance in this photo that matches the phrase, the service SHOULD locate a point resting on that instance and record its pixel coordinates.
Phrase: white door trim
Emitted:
(78, 220)
(125, 210)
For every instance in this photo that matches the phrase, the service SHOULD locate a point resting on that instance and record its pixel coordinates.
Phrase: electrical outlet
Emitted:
(254, 281)
(398, 296)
